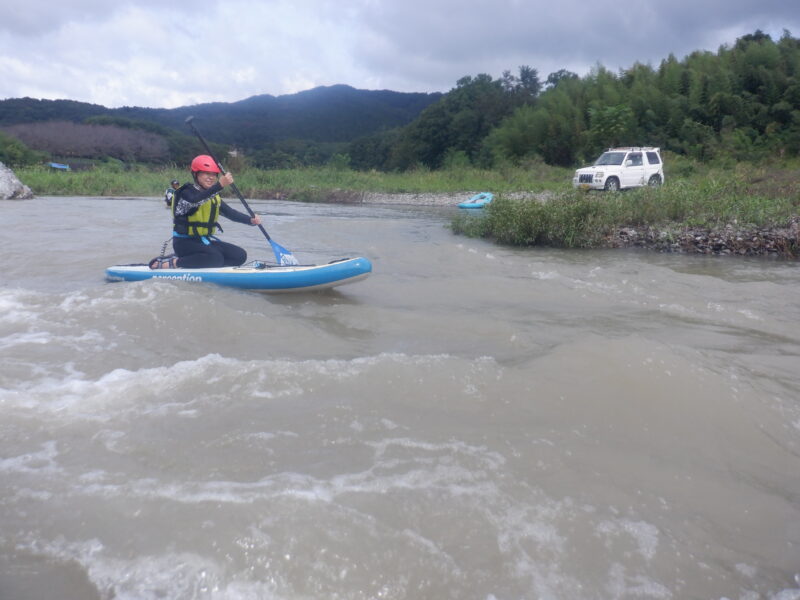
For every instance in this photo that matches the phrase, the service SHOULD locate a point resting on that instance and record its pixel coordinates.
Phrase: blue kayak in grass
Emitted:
(478, 200)
(256, 276)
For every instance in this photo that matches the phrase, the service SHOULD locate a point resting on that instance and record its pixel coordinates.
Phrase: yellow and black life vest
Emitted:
(200, 223)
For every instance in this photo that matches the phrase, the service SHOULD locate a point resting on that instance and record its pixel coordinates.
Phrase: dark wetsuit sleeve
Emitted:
(190, 198)
(233, 214)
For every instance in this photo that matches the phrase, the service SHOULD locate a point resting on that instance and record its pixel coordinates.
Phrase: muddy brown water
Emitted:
(471, 421)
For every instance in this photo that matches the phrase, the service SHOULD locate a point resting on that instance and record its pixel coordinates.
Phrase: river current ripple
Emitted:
(471, 421)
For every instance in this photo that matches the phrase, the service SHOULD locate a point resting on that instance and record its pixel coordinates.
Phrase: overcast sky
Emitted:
(168, 53)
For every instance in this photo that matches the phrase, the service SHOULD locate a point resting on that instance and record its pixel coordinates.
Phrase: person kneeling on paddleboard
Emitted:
(195, 208)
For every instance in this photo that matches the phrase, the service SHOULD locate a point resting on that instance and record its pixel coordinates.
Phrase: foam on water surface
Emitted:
(470, 422)
(236, 483)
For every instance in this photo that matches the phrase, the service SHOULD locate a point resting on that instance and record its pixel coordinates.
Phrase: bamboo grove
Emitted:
(741, 103)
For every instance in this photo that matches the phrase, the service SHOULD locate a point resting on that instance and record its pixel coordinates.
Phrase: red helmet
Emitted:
(204, 163)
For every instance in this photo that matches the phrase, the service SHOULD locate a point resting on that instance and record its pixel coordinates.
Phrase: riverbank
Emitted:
(715, 218)
(739, 209)
(322, 184)
(731, 239)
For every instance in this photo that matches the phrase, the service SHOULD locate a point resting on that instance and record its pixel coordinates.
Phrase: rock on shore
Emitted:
(730, 240)
(11, 187)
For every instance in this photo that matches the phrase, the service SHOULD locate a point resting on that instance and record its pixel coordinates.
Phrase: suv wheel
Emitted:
(612, 184)
(654, 181)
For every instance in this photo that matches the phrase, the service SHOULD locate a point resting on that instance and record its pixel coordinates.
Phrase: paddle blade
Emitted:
(283, 256)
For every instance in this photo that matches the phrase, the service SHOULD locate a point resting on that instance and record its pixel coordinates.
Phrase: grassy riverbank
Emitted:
(308, 184)
(746, 210)
(733, 209)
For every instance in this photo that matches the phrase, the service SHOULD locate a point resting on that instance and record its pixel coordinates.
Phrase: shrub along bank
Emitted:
(744, 212)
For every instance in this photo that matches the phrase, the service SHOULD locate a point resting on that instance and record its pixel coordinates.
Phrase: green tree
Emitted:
(517, 137)
(670, 75)
(463, 118)
(610, 126)
(14, 153)
(372, 151)
(556, 77)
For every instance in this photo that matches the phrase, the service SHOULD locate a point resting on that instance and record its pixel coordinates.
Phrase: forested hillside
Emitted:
(742, 103)
(312, 124)
(739, 103)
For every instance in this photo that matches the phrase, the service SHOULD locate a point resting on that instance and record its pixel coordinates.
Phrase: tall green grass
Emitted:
(308, 183)
(576, 219)
(100, 181)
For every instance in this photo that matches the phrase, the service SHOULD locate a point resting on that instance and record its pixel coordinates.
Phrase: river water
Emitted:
(470, 422)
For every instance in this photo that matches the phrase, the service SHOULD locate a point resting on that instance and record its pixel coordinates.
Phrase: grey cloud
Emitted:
(282, 46)
(466, 38)
(39, 17)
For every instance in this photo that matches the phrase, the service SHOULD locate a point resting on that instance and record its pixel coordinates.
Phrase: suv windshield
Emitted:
(610, 158)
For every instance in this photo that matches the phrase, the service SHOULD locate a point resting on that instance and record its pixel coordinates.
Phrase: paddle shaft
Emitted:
(221, 168)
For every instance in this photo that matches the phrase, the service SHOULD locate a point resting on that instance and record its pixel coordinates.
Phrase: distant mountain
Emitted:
(338, 113)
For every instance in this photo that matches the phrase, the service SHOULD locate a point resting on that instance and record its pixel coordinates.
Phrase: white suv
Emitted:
(620, 168)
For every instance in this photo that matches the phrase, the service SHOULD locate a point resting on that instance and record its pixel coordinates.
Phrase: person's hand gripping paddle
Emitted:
(282, 255)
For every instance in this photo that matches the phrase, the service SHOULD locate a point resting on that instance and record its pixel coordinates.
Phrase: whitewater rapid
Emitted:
(471, 421)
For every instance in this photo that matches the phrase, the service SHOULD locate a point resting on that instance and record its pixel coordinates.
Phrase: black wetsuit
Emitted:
(195, 252)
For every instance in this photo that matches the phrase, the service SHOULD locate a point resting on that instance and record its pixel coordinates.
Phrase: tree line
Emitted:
(741, 103)
(306, 128)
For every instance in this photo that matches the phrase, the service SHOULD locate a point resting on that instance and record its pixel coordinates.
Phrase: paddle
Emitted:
(282, 255)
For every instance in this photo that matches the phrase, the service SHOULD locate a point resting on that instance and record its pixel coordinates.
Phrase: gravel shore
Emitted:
(441, 199)
(781, 242)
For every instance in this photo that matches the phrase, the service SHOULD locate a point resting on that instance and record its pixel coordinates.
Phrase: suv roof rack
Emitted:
(635, 149)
